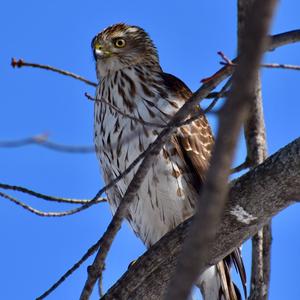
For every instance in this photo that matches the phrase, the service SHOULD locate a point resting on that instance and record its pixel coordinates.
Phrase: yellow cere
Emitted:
(97, 46)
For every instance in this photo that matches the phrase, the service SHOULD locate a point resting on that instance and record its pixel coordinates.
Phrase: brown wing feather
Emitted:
(193, 144)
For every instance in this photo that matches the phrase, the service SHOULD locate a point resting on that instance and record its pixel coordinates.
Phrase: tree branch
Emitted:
(255, 135)
(21, 63)
(214, 191)
(250, 205)
(47, 197)
(39, 212)
(42, 140)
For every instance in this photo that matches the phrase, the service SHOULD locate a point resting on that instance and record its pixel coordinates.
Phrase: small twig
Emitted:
(39, 212)
(227, 61)
(89, 253)
(42, 140)
(241, 167)
(214, 95)
(281, 66)
(47, 197)
(122, 113)
(222, 93)
(21, 63)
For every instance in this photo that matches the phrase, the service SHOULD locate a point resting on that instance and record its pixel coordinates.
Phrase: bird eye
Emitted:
(120, 43)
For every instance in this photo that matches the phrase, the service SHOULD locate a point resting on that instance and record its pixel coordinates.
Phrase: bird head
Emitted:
(120, 46)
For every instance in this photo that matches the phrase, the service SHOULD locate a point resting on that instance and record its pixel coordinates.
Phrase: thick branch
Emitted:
(214, 192)
(253, 199)
(255, 136)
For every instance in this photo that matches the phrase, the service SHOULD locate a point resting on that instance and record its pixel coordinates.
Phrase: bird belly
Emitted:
(164, 199)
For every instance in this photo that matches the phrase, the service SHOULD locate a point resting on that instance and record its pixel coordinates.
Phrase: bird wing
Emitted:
(194, 143)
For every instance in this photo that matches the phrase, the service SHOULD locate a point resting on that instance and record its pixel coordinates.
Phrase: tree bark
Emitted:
(255, 136)
(253, 200)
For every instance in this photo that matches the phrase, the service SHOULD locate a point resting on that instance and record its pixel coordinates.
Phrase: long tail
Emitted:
(216, 283)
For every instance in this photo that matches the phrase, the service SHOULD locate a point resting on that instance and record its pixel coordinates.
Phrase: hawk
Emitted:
(132, 81)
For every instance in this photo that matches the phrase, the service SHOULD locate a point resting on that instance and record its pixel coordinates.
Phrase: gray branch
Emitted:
(213, 195)
(255, 136)
(253, 200)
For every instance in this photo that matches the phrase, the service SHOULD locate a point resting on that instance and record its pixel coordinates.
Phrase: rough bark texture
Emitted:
(253, 199)
(213, 195)
(255, 136)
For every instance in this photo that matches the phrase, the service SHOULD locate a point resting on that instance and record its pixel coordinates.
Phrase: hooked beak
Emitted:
(102, 53)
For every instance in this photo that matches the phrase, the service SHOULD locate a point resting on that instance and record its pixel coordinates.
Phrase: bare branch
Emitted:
(282, 39)
(241, 167)
(21, 63)
(42, 140)
(47, 197)
(122, 113)
(255, 135)
(221, 94)
(39, 212)
(281, 66)
(214, 191)
(268, 66)
(250, 205)
(89, 253)
(226, 61)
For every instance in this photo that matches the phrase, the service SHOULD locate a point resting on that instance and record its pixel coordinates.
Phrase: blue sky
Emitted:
(36, 251)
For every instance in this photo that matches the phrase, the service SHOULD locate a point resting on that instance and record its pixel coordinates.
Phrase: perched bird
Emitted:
(134, 90)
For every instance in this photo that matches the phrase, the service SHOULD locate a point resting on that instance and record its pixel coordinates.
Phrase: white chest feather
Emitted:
(164, 199)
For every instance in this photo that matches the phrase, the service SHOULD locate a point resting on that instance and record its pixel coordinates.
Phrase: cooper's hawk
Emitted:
(131, 80)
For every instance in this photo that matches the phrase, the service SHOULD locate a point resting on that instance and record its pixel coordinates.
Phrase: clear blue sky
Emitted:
(36, 251)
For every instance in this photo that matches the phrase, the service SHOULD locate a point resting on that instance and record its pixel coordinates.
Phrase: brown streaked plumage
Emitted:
(131, 79)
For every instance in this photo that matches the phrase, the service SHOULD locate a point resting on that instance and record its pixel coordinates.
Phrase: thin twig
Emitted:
(122, 113)
(227, 61)
(39, 212)
(241, 167)
(21, 63)
(281, 66)
(42, 140)
(195, 116)
(88, 253)
(223, 92)
(47, 197)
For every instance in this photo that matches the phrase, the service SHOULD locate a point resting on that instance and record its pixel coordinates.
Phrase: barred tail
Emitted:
(216, 283)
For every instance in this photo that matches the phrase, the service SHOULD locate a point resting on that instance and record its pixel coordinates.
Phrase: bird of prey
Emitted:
(132, 97)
